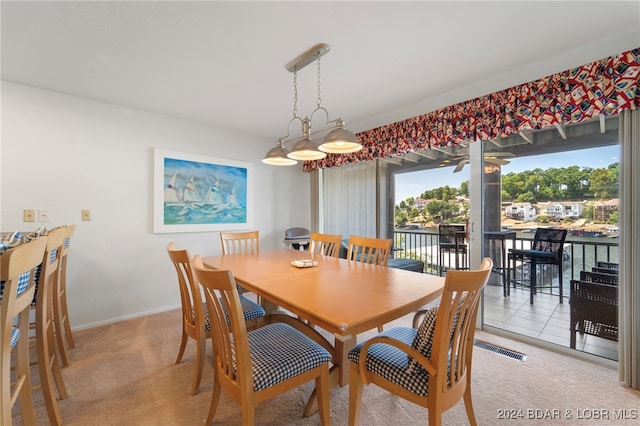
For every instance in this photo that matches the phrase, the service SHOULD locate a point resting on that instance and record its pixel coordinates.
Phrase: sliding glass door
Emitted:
(557, 181)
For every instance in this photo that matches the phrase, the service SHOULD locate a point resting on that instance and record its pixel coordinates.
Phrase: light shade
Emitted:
(340, 141)
(277, 156)
(306, 150)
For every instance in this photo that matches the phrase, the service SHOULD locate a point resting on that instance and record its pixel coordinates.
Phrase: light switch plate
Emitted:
(85, 214)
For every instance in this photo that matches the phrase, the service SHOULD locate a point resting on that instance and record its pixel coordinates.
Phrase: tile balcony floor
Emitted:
(546, 320)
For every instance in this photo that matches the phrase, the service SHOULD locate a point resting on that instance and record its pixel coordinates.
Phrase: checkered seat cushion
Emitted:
(23, 283)
(392, 364)
(280, 352)
(251, 311)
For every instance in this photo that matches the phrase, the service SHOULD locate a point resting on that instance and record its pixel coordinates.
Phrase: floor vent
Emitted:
(500, 350)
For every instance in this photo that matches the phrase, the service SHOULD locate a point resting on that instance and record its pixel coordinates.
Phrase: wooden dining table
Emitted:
(340, 296)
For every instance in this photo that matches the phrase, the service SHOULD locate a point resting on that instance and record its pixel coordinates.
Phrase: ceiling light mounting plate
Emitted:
(307, 57)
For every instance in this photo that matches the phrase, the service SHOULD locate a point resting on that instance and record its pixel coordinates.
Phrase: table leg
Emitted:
(269, 307)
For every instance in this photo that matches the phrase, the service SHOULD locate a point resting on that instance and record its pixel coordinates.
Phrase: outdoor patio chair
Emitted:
(599, 277)
(606, 268)
(451, 242)
(608, 265)
(594, 306)
(547, 249)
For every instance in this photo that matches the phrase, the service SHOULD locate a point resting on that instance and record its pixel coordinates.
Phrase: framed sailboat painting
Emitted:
(195, 193)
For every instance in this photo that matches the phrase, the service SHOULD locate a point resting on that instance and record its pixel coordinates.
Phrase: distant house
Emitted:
(520, 211)
(562, 209)
(420, 203)
(602, 210)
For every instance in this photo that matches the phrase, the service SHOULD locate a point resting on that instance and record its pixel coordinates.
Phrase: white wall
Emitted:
(67, 153)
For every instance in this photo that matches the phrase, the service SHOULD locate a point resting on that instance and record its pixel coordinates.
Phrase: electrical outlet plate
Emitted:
(28, 215)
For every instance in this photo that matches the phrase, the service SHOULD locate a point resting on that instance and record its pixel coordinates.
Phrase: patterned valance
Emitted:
(607, 87)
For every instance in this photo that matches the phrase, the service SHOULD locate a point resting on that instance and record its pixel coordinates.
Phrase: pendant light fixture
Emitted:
(337, 141)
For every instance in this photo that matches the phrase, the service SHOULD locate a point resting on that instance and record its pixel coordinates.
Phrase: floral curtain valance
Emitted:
(607, 86)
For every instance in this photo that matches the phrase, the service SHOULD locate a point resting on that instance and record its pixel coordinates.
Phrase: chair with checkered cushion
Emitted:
(195, 317)
(253, 366)
(240, 242)
(50, 373)
(369, 250)
(325, 244)
(429, 366)
(18, 274)
(60, 310)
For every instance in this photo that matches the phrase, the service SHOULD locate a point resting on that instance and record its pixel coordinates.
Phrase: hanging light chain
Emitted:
(295, 94)
(319, 99)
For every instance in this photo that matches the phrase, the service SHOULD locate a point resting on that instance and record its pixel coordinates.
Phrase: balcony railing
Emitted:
(581, 254)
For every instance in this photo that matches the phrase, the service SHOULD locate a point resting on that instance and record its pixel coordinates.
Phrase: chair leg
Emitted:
(533, 280)
(59, 328)
(468, 405)
(355, 394)
(54, 365)
(215, 398)
(46, 378)
(322, 386)
(201, 347)
(22, 370)
(64, 311)
(435, 417)
(183, 345)
(65, 322)
(248, 414)
(560, 279)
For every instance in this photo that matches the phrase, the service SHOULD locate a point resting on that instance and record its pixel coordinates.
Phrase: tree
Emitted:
(464, 188)
(401, 218)
(604, 183)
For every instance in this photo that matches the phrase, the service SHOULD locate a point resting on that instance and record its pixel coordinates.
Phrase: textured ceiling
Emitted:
(222, 63)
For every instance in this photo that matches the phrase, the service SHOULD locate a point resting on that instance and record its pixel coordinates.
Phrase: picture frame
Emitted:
(198, 193)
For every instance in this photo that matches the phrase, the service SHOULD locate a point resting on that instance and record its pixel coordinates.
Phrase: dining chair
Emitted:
(369, 250)
(428, 364)
(253, 366)
(50, 373)
(195, 315)
(547, 248)
(325, 244)
(60, 309)
(240, 242)
(18, 270)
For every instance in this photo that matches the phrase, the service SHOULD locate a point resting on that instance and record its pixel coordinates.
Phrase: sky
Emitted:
(414, 184)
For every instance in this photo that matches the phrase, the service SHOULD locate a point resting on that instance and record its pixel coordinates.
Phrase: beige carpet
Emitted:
(124, 374)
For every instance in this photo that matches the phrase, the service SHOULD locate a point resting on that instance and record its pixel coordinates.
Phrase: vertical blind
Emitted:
(349, 200)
